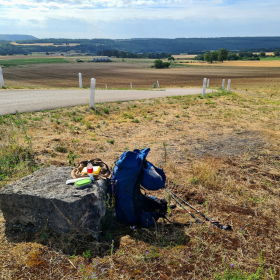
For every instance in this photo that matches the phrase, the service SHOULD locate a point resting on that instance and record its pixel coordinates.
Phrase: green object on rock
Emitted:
(83, 183)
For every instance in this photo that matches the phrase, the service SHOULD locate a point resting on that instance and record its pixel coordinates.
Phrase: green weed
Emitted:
(60, 148)
(233, 272)
(71, 158)
(77, 119)
(16, 159)
(135, 121)
(165, 151)
(111, 141)
(87, 254)
(88, 125)
(129, 116)
(106, 110)
(38, 118)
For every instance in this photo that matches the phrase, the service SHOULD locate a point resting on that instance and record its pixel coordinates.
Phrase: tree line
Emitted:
(123, 54)
(224, 54)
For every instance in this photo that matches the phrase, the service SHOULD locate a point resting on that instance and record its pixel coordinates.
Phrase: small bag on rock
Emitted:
(105, 172)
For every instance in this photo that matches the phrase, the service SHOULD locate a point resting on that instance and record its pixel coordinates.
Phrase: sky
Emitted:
(140, 18)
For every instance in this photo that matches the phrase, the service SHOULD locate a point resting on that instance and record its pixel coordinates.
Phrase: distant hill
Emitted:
(14, 37)
(143, 45)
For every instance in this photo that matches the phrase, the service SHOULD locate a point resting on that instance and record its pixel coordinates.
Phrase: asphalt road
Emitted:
(37, 100)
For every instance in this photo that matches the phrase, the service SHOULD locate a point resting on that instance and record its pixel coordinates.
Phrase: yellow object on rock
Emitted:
(96, 170)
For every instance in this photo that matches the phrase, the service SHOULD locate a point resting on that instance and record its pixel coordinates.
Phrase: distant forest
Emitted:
(150, 45)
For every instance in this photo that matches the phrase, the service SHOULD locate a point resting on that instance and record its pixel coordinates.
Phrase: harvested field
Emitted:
(267, 53)
(121, 74)
(12, 57)
(220, 153)
(184, 56)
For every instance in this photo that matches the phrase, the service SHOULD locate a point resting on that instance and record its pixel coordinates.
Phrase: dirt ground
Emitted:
(220, 153)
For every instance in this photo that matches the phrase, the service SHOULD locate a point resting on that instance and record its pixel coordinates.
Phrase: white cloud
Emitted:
(92, 12)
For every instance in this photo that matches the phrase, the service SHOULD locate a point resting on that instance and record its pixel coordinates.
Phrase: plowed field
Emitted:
(121, 74)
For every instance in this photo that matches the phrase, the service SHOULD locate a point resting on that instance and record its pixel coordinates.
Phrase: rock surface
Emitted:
(44, 200)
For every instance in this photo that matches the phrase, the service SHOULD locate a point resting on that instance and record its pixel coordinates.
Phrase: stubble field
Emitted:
(267, 63)
(220, 153)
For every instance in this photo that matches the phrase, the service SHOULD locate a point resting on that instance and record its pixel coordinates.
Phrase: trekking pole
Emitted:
(216, 223)
(196, 220)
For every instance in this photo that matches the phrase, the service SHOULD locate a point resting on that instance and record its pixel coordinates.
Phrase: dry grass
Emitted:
(220, 153)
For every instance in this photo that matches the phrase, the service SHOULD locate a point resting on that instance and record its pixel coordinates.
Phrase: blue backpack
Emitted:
(132, 171)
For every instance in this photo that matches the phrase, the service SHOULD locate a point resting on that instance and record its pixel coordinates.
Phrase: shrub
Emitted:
(158, 63)
(166, 64)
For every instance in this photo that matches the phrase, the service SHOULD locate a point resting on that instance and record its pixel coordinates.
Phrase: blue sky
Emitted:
(140, 18)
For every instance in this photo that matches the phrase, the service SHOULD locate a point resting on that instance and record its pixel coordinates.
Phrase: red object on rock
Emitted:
(89, 169)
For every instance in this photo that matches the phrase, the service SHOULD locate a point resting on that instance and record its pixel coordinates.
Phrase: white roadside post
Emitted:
(204, 86)
(223, 84)
(92, 93)
(80, 80)
(106, 86)
(228, 86)
(208, 81)
(157, 84)
(130, 85)
(1, 78)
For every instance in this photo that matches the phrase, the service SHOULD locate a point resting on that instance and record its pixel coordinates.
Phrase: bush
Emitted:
(166, 64)
(158, 63)
(232, 56)
(262, 54)
(199, 57)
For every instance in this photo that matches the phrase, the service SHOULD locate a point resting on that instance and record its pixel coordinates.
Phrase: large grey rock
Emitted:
(44, 200)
